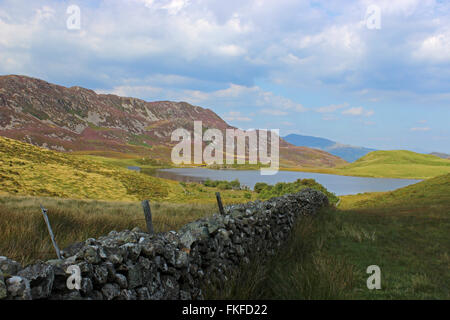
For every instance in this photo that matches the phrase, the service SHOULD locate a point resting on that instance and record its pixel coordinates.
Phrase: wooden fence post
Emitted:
(219, 203)
(148, 216)
(49, 227)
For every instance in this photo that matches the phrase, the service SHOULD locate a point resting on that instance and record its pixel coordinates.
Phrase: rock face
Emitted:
(133, 265)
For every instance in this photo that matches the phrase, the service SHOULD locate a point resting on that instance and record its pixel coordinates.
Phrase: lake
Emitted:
(340, 185)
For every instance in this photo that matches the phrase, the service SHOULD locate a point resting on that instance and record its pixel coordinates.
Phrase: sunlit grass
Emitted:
(24, 235)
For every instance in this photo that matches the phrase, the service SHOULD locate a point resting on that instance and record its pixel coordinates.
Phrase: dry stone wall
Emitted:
(131, 265)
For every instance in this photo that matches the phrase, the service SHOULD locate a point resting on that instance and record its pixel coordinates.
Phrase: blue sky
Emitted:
(308, 67)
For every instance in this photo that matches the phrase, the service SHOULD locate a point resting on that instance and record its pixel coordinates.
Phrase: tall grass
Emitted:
(300, 270)
(24, 236)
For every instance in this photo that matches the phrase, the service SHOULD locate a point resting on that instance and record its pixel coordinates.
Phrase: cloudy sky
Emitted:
(323, 68)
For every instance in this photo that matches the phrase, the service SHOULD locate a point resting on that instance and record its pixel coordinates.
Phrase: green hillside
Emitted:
(32, 171)
(433, 192)
(405, 232)
(397, 164)
(29, 170)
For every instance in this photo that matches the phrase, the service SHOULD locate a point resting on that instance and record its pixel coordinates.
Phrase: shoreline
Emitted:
(329, 171)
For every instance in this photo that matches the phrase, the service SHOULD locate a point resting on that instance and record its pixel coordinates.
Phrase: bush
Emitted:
(260, 186)
(223, 185)
(235, 184)
(266, 191)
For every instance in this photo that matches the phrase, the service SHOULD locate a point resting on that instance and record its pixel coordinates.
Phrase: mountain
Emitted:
(441, 155)
(397, 164)
(79, 119)
(346, 152)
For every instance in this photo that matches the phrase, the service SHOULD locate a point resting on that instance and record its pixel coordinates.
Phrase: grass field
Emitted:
(390, 164)
(404, 232)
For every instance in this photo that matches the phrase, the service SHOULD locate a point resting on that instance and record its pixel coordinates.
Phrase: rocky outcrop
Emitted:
(132, 265)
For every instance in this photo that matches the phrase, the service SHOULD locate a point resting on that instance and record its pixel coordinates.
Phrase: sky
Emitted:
(367, 73)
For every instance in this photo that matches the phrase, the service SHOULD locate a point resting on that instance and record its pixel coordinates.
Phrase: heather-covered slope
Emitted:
(78, 119)
(74, 118)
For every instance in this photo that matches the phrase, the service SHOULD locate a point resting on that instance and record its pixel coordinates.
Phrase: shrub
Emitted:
(266, 191)
(260, 186)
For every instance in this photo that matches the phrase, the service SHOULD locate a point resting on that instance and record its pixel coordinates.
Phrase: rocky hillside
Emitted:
(78, 119)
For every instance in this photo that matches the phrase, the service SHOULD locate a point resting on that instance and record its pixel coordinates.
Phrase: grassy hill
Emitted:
(404, 232)
(33, 171)
(398, 164)
(29, 170)
(391, 164)
(433, 193)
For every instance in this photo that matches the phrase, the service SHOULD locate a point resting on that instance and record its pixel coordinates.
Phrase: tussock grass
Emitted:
(24, 236)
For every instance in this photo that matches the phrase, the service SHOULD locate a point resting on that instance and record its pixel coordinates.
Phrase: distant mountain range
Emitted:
(346, 152)
(80, 120)
(441, 155)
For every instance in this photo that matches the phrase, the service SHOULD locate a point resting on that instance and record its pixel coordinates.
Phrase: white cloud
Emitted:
(358, 111)
(420, 129)
(285, 42)
(173, 7)
(230, 97)
(236, 116)
(231, 50)
(435, 48)
(399, 7)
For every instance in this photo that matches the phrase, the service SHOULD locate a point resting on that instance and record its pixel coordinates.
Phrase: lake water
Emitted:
(340, 185)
